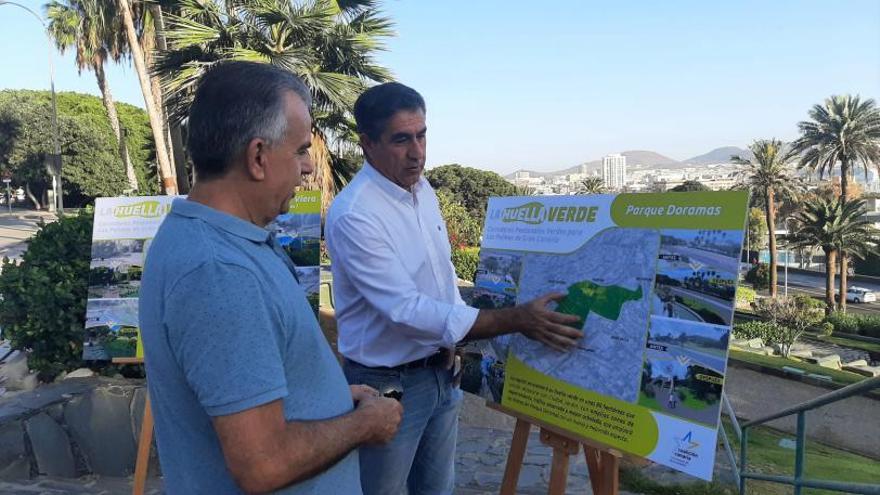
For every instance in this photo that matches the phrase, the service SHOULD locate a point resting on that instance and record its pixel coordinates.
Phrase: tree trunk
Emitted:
(166, 171)
(174, 133)
(844, 196)
(771, 228)
(30, 195)
(110, 106)
(830, 269)
(844, 262)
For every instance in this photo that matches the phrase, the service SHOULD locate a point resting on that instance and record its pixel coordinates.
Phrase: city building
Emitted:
(614, 171)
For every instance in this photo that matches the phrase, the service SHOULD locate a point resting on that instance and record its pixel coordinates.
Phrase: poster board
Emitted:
(299, 233)
(123, 229)
(653, 278)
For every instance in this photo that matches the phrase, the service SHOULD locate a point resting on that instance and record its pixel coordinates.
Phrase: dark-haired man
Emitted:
(247, 394)
(397, 302)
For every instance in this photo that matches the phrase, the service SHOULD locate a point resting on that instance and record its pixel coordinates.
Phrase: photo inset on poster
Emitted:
(111, 329)
(683, 372)
(696, 275)
(496, 279)
(116, 268)
(309, 278)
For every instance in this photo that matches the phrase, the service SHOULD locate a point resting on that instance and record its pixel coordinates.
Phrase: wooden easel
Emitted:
(145, 441)
(603, 463)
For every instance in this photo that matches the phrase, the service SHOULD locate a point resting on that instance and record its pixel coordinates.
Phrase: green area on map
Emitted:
(604, 300)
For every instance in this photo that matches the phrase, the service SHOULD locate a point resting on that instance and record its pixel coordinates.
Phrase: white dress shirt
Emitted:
(394, 285)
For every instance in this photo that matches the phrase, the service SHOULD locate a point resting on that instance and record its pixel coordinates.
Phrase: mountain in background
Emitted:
(720, 155)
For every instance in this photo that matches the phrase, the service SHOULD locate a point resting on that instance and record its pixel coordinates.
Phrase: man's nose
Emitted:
(416, 150)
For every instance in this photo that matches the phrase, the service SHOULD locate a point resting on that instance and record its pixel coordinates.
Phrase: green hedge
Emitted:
(465, 261)
(764, 330)
(759, 276)
(43, 303)
(866, 325)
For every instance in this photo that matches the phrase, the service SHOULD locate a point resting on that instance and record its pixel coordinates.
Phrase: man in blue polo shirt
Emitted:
(247, 394)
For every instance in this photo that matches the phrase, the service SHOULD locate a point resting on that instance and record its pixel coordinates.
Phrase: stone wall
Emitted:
(76, 427)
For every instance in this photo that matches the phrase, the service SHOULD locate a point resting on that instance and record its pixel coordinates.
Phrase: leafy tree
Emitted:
(470, 187)
(91, 162)
(92, 28)
(791, 315)
(690, 185)
(329, 44)
(768, 175)
(43, 303)
(462, 229)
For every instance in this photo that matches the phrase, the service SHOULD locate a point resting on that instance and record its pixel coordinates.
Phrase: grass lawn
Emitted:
(692, 402)
(838, 376)
(649, 402)
(822, 462)
(767, 457)
(851, 343)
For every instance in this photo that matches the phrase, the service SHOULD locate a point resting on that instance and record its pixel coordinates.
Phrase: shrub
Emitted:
(465, 261)
(745, 296)
(843, 322)
(763, 330)
(44, 296)
(869, 326)
(759, 276)
(826, 330)
(792, 316)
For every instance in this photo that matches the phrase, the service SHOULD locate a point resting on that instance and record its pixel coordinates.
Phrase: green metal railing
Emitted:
(741, 472)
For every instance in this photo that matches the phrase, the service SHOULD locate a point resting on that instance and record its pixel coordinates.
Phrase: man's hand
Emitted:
(381, 417)
(549, 327)
(361, 392)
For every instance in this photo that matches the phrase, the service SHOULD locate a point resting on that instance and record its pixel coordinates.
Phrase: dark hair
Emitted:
(236, 102)
(376, 105)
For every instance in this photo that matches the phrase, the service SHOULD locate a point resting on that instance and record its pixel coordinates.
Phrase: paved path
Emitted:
(17, 227)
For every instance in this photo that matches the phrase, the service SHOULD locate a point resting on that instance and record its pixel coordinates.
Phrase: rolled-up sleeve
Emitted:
(381, 278)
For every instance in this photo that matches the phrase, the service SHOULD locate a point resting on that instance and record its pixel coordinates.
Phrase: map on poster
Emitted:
(121, 236)
(652, 278)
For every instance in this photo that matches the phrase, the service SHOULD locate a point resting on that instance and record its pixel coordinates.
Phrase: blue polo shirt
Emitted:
(226, 328)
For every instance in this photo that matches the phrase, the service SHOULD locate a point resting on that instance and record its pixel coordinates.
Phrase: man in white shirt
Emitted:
(398, 308)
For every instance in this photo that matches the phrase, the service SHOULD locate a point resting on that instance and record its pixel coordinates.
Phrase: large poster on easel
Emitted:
(121, 236)
(653, 279)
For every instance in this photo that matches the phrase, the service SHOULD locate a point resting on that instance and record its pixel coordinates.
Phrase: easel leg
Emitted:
(604, 468)
(515, 457)
(558, 472)
(143, 453)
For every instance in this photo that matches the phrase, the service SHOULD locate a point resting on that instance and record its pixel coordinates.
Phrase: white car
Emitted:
(860, 295)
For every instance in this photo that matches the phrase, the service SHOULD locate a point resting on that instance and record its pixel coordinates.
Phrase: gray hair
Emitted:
(236, 102)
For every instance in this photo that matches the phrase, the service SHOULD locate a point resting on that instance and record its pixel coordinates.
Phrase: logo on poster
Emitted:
(145, 209)
(685, 449)
(535, 213)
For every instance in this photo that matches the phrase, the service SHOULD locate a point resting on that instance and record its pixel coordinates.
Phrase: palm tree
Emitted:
(329, 44)
(91, 27)
(154, 111)
(768, 174)
(592, 185)
(832, 224)
(844, 130)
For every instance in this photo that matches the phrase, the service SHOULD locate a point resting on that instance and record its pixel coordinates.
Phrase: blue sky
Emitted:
(514, 84)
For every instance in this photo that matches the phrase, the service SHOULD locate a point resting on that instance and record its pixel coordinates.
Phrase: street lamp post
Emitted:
(56, 156)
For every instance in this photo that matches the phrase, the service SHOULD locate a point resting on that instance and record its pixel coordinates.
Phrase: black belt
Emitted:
(439, 358)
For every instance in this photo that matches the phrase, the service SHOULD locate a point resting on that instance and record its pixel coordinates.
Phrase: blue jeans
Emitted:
(420, 459)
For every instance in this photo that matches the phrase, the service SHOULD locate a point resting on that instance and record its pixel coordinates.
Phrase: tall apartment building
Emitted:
(614, 171)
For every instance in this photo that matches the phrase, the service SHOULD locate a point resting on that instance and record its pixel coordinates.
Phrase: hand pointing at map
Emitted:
(534, 320)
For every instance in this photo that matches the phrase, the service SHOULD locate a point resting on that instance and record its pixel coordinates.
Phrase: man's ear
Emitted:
(366, 143)
(256, 158)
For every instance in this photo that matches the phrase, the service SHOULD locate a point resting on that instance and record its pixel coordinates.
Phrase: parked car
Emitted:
(860, 295)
